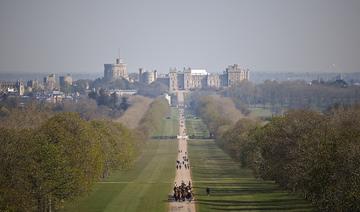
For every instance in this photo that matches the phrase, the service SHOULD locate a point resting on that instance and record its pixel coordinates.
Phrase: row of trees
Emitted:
(42, 167)
(34, 113)
(151, 122)
(218, 113)
(19, 117)
(292, 95)
(303, 151)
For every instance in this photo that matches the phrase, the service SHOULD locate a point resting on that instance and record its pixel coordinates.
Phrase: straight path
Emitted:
(182, 174)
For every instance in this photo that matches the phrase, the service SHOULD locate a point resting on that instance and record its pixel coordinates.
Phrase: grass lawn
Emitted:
(233, 188)
(170, 124)
(142, 188)
(196, 127)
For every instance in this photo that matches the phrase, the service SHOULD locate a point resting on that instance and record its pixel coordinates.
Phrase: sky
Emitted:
(50, 36)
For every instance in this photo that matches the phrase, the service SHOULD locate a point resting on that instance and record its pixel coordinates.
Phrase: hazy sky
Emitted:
(262, 35)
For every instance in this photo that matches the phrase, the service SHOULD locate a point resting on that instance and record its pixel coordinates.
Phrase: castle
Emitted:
(189, 79)
(147, 77)
(115, 71)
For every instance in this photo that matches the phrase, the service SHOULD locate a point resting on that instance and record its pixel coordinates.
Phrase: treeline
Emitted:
(152, 90)
(42, 167)
(19, 117)
(31, 114)
(218, 113)
(113, 101)
(151, 122)
(292, 95)
(315, 154)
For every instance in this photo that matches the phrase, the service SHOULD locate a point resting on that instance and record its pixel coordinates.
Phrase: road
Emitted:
(182, 175)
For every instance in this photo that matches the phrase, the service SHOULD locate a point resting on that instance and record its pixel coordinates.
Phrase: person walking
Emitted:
(208, 191)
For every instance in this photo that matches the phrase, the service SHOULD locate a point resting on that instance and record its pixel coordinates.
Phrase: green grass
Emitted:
(196, 127)
(169, 124)
(232, 187)
(142, 188)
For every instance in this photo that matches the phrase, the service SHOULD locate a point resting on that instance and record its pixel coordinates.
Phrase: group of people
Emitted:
(184, 162)
(183, 192)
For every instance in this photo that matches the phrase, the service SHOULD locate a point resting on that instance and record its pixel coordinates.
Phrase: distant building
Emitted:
(196, 78)
(190, 79)
(173, 80)
(56, 97)
(115, 71)
(187, 79)
(164, 79)
(65, 80)
(16, 88)
(119, 92)
(214, 81)
(65, 83)
(50, 82)
(147, 77)
(34, 84)
(235, 74)
(168, 98)
(133, 77)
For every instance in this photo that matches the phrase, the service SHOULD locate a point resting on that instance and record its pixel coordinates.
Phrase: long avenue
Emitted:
(182, 175)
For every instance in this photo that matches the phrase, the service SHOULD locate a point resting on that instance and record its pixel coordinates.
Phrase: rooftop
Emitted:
(199, 72)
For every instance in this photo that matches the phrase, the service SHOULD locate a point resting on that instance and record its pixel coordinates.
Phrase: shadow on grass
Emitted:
(288, 204)
(216, 202)
(233, 188)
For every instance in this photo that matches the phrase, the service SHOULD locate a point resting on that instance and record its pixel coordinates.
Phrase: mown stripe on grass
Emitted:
(231, 187)
(141, 188)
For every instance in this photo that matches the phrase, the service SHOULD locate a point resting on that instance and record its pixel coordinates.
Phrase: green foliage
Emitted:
(305, 151)
(119, 145)
(152, 120)
(76, 138)
(61, 159)
(239, 141)
(143, 187)
(233, 188)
